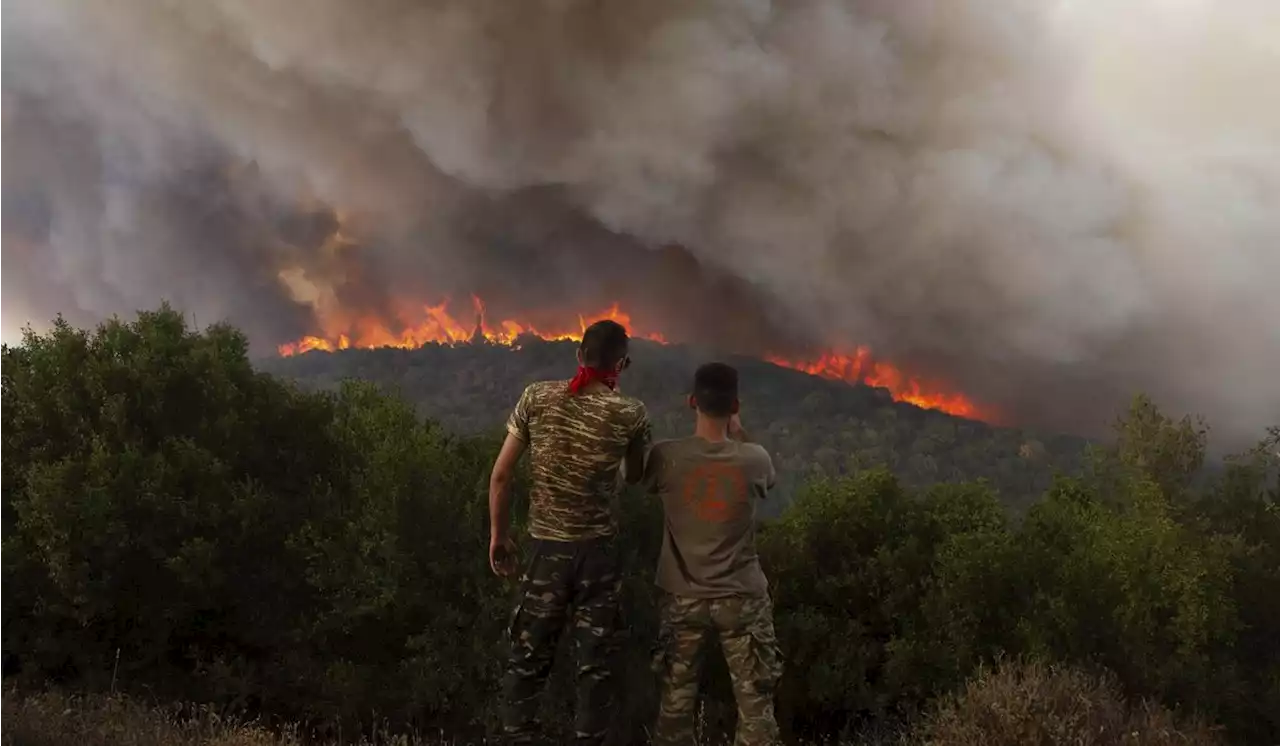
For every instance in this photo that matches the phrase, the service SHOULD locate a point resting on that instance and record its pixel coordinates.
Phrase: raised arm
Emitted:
(739, 433)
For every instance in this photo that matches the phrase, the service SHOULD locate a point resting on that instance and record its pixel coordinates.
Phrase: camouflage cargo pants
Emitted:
(574, 583)
(745, 627)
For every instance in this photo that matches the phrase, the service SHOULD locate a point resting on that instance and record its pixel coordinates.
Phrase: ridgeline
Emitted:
(814, 426)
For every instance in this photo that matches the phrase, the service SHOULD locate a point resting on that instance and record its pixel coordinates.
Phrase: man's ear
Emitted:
(736, 406)
(693, 402)
(579, 356)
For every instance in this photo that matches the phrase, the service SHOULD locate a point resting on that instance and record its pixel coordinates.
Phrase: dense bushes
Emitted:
(176, 521)
(914, 592)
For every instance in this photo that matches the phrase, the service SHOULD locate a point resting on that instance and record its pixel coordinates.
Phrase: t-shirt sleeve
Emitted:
(771, 475)
(638, 441)
(642, 430)
(518, 422)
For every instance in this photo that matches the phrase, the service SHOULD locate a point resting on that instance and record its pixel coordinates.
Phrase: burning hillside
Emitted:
(1050, 207)
(438, 325)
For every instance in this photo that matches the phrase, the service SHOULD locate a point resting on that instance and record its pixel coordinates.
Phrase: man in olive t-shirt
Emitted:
(709, 570)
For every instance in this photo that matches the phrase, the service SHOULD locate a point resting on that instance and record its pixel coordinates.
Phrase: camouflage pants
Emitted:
(745, 627)
(582, 575)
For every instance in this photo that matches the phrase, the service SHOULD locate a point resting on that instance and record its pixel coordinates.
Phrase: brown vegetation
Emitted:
(53, 719)
(1038, 705)
(1017, 705)
(56, 719)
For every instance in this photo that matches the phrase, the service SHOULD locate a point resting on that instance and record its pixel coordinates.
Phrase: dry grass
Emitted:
(54, 719)
(1034, 705)
(1017, 705)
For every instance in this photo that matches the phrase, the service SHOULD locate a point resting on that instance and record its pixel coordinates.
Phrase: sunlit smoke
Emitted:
(12, 324)
(1047, 205)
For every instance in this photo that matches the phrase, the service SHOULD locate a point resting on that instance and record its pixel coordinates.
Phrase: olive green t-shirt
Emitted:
(708, 493)
(577, 442)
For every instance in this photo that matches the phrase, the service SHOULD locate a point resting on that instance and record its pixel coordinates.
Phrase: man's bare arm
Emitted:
(504, 469)
(633, 464)
(501, 546)
(633, 461)
(737, 431)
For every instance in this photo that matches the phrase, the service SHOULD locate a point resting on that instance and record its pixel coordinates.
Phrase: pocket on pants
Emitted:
(766, 653)
(673, 614)
(658, 656)
(767, 658)
(514, 619)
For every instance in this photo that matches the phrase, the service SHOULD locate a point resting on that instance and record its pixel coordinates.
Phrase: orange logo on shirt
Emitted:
(713, 490)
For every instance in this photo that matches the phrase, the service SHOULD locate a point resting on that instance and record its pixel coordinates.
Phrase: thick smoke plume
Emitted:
(1050, 205)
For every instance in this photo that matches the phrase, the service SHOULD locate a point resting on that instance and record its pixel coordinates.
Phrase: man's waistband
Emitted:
(572, 542)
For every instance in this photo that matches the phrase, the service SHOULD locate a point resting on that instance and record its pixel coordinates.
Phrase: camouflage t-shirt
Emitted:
(576, 444)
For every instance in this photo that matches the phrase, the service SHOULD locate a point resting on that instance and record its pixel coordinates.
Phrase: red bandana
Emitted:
(587, 376)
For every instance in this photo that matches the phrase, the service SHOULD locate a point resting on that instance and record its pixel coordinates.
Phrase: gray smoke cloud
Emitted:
(1049, 205)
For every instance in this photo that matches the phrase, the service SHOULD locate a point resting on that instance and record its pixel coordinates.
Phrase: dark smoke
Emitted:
(1049, 205)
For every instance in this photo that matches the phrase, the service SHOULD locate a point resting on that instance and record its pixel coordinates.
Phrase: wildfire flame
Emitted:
(439, 326)
(862, 367)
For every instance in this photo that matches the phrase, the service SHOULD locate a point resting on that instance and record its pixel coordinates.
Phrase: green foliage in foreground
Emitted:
(178, 522)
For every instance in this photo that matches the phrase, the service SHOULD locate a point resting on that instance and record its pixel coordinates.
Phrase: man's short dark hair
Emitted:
(715, 389)
(604, 344)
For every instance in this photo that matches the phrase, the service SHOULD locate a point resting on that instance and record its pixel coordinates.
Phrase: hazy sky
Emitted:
(10, 329)
(1051, 205)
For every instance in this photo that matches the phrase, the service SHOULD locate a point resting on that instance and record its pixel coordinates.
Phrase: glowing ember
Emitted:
(434, 324)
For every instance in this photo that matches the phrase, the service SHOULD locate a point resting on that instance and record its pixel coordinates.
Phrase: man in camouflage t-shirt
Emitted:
(709, 570)
(582, 436)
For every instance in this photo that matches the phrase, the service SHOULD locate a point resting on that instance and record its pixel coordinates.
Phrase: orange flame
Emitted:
(442, 328)
(861, 367)
(435, 325)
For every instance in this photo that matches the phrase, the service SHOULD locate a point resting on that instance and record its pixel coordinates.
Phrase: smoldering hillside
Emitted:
(1048, 205)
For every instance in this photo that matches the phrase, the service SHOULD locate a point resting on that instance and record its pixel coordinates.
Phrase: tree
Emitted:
(876, 592)
(1168, 452)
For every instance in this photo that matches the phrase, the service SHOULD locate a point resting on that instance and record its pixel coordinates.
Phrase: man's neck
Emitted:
(714, 429)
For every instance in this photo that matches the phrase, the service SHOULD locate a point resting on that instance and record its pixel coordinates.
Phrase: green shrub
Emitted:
(875, 595)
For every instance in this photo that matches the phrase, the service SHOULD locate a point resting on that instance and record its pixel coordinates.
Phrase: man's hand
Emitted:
(502, 555)
(736, 431)
(502, 550)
